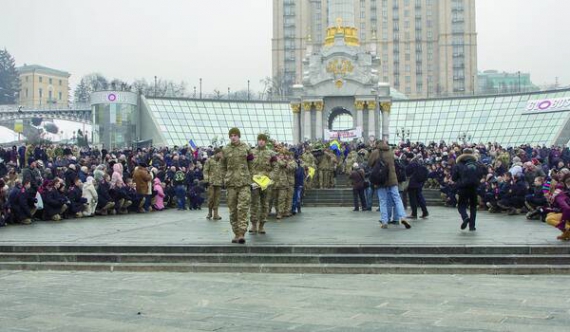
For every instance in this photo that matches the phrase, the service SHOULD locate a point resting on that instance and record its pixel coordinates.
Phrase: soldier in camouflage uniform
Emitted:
(350, 160)
(236, 167)
(280, 183)
(213, 175)
(309, 160)
(326, 169)
(291, 167)
(262, 164)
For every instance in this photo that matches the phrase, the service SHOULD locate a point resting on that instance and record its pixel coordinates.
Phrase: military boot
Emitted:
(253, 228)
(260, 229)
(216, 215)
(209, 216)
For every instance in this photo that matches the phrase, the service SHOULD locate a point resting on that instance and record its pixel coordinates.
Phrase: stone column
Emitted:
(372, 119)
(307, 125)
(319, 134)
(296, 109)
(386, 107)
(359, 106)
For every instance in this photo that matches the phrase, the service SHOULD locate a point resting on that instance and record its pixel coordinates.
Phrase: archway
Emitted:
(340, 119)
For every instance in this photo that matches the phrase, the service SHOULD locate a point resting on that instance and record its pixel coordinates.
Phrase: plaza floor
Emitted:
(111, 301)
(80, 301)
(318, 226)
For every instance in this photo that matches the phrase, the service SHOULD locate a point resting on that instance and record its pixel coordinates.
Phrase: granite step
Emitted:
(542, 269)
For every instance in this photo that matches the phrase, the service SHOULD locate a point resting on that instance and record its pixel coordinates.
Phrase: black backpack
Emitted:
(400, 171)
(421, 174)
(379, 174)
(471, 173)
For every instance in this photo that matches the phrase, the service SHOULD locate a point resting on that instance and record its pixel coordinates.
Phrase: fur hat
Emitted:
(262, 137)
(234, 131)
(468, 151)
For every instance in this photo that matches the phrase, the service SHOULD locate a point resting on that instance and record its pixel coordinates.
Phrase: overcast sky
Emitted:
(227, 42)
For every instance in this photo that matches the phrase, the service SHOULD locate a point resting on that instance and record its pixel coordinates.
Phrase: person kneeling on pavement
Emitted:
(55, 203)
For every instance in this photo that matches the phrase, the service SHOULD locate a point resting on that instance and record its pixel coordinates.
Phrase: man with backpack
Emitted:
(467, 175)
(383, 176)
(418, 175)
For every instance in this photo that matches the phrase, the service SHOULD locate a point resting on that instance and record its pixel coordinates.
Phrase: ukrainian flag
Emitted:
(335, 146)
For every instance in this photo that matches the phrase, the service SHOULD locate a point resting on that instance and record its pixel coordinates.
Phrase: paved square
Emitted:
(319, 226)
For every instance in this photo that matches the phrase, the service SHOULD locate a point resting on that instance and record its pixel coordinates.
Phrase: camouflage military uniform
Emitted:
(310, 161)
(291, 167)
(261, 165)
(350, 160)
(237, 178)
(213, 175)
(326, 168)
(280, 185)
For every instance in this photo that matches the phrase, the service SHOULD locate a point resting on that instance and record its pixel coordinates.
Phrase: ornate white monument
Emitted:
(342, 78)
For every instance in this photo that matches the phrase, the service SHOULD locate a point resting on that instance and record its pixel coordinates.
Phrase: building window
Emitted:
(41, 91)
(26, 91)
(50, 95)
(59, 82)
(41, 79)
(27, 78)
(50, 81)
(60, 95)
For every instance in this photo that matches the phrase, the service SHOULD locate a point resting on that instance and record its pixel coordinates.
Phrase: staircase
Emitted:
(343, 259)
(341, 195)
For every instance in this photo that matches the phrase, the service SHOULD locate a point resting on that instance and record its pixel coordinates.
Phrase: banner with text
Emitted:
(344, 135)
(548, 105)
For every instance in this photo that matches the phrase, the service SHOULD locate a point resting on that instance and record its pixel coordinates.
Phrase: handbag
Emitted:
(40, 202)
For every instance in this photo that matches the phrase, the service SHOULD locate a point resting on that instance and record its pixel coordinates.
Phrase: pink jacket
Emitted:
(159, 194)
(117, 178)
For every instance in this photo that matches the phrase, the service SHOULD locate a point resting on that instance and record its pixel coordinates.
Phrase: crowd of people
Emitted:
(55, 182)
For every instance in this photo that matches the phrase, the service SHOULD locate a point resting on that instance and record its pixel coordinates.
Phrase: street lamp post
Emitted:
(247, 89)
(155, 85)
(464, 137)
(200, 88)
(228, 93)
(519, 80)
(403, 133)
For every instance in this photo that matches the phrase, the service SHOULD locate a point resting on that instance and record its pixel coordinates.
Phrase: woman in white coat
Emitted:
(90, 193)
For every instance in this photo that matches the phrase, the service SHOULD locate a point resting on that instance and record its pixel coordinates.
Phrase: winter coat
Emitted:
(34, 176)
(90, 194)
(387, 155)
(357, 179)
(141, 177)
(411, 172)
(159, 198)
(462, 177)
(76, 200)
(104, 197)
(20, 201)
(117, 177)
(53, 202)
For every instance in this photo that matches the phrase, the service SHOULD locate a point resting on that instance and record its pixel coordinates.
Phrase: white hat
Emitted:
(355, 165)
